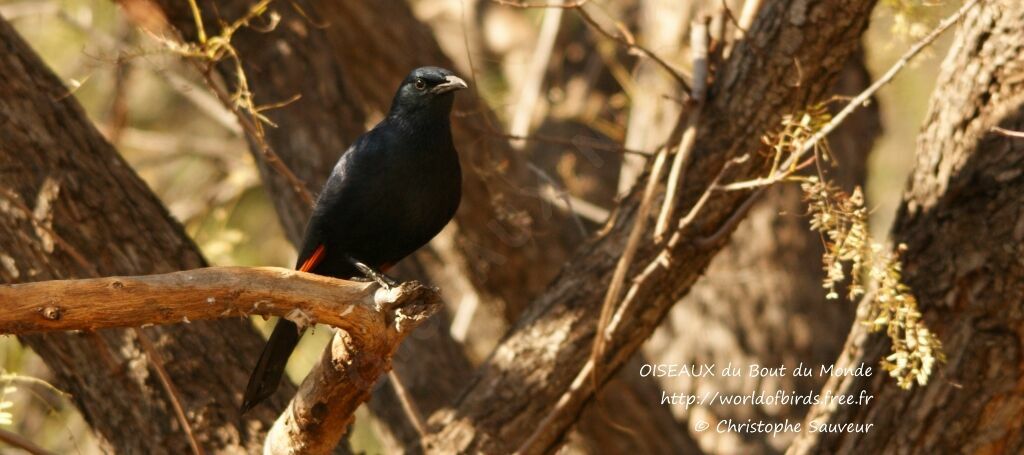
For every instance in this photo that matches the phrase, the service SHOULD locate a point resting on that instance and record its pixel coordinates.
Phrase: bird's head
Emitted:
(427, 88)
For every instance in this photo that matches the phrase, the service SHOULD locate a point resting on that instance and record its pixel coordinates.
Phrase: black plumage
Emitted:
(392, 191)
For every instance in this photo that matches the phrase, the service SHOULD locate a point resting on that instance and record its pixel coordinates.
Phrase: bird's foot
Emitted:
(383, 280)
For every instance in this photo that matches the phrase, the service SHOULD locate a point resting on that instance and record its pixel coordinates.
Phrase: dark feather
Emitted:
(391, 192)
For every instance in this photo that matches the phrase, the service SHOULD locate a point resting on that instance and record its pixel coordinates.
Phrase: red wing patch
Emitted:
(314, 259)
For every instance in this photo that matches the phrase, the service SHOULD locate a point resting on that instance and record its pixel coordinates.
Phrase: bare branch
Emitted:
(622, 267)
(624, 39)
(1008, 133)
(172, 392)
(531, 87)
(325, 404)
(699, 46)
(209, 293)
(372, 322)
(16, 440)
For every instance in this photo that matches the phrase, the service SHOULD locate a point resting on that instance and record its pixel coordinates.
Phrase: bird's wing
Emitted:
(338, 202)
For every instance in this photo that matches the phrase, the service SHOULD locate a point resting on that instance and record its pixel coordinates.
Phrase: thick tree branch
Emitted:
(209, 293)
(324, 407)
(372, 322)
(787, 62)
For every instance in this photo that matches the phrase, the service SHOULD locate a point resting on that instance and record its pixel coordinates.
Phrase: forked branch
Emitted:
(372, 322)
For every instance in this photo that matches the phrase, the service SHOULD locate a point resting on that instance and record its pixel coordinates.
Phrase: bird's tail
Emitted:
(267, 375)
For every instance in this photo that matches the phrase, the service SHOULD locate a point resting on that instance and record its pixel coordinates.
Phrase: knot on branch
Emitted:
(407, 304)
(51, 313)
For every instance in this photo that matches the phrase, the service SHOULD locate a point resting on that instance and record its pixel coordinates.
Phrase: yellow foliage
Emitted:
(842, 220)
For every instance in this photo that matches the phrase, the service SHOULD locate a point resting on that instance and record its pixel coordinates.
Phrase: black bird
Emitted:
(388, 195)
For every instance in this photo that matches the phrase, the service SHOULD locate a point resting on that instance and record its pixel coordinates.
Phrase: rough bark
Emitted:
(93, 216)
(532, 367)
(359, 354)
(761, 301)
(961, 221)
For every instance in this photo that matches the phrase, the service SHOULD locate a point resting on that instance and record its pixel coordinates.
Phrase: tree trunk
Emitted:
(520, 383)
(961, 222)
(90, 215)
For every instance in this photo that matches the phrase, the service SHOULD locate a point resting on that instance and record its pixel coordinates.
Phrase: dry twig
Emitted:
(16, 440)
(624, 38)
(157, 361)
(534, 81)
(1008, 133)
(684, 151)
(861, 99)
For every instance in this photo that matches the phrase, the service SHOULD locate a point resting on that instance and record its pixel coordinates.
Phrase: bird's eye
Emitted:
(420, 84)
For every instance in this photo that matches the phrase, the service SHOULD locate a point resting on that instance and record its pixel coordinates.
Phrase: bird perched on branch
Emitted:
(392, 191)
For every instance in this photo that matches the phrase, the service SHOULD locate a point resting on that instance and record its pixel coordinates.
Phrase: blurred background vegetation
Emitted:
(157, 112)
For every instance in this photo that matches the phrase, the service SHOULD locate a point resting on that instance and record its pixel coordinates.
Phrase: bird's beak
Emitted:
(451, 83)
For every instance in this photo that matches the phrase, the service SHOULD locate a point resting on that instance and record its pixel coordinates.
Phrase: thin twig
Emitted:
(256, 132)
(525, 5)
(198, 97)
(562, 194)
(857, 101)
(413, 412)
(631, 45)
(535, 71)
(732, 222)
(699, 48)
(682, 157)
(727, 12)
(747, 16)
(628, 252)
(197, 17)
(31, 380)
(702, 201)
(575, 142)
(1008, 133)
(157, 361)
(627, 41)
(207, 53)
(16, 440)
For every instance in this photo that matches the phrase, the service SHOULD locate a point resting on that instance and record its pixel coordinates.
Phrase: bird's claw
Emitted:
(383, 280)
